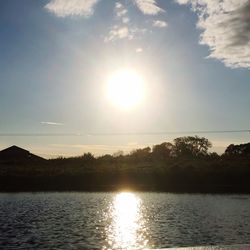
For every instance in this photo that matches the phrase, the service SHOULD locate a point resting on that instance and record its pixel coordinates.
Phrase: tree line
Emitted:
(183, 165)
(186, 147)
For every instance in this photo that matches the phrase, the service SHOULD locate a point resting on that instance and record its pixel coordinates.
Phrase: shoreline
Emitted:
(103, 189)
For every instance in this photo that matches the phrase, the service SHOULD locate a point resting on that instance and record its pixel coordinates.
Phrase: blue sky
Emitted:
(56, 55)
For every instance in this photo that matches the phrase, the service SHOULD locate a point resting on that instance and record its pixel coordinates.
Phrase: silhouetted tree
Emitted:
(141, 154)
(191, 146)
(163, 151)
(213, 156)
(118, 153)
(88, 158)
(237, 150)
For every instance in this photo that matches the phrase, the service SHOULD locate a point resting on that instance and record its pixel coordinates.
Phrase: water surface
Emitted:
(122, 220)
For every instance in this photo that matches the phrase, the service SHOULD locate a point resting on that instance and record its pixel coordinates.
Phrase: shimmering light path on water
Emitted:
(122, 220)
(128, 229)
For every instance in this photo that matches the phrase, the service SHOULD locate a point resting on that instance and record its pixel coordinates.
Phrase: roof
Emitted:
(17, 154)
(14, 149)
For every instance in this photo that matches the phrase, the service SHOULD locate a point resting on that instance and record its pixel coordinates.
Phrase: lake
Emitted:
(124, 220)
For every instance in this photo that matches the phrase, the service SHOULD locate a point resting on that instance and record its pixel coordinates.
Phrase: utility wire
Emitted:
(123, 134)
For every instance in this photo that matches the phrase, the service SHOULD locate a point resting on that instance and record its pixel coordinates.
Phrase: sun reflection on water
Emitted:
(127, 228)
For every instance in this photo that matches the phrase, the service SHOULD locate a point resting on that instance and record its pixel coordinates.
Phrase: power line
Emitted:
(176, 132)
(38, 134)
(124, 134)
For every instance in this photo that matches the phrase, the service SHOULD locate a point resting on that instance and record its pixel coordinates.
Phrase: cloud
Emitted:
(148, 7)
(118, 32)
(120, 10)
(124, 28)
(159, 24)
(63, 8)
(52, 123)
(125, 20)
(121, 13)
(97, 149)
(225, 29)
(121, 30)
(139, 50)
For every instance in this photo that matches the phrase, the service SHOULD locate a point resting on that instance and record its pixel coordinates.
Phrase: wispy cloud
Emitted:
(225, 29)
(97, 149)
(160, 24)
(148, 7)
(52, 123)
(139, 50)
(118, 32)
(123, 28)
(63, 8)
(95, 146)
(120, 10)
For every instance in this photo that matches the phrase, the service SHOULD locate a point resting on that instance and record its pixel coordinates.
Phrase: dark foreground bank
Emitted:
(158, 182)
(185, 166)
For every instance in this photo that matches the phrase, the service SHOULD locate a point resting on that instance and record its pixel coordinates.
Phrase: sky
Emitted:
(56, 57)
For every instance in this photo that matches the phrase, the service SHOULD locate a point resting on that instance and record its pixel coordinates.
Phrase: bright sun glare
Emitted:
(127, 222)
(125, 88)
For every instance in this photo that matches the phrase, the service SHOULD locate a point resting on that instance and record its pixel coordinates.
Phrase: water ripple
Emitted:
(121, 220)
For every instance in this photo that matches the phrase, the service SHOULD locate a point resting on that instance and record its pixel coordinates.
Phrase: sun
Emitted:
(125, 88)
